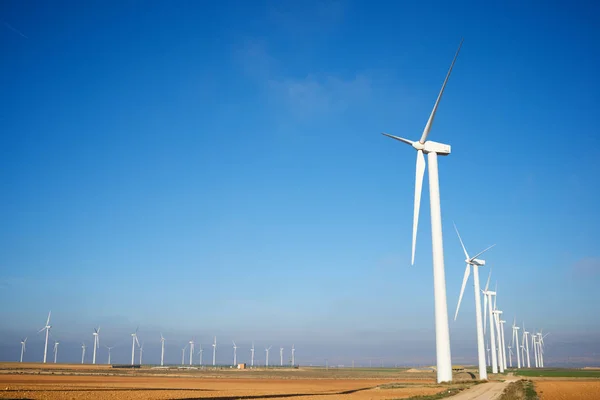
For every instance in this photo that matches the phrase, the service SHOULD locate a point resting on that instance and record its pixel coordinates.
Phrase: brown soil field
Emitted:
(568, 389)
(38, 381)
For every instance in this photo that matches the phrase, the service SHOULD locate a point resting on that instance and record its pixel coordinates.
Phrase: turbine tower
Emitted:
(134, 340)
(234, 354)
(162, 349)
(83, 347)
(526, 343)
(497, 314)
(55, 351)
(487, 308)
(252, 357)
(432, 149)
(47, 328)
(200, 352)
(214, 351)
(96, 343)
(109, 349)
(281, 356)
(191, 351)
(267, 358)
(23, 342)
(502, 322)
(515, 339)
(475, 263)
(183, 355)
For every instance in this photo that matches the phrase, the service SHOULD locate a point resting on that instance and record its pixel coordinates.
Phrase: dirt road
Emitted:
(485, 391)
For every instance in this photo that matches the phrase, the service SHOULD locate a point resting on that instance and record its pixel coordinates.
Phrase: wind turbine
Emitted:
(252, 358)
(234, 354)
(200, 352)
(497, 313)
(526, 343)
(162, 349)
(475, 263)
(191, 351)
(293, 351)
(542, 348)
(183, 355)
(487, 308)
(109, 349)
(134, 340)
(23, 342)
(267, 358)
(432, 149)
(47, 328)
(281, 356)
(141, 352)
(515, 339)
(96, 343)
(510, 354)
(502, 322)
(214, 351)
(83, 347)
(55, 351)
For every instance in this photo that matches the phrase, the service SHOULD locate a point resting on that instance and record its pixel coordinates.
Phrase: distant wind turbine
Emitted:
(134, 340)
(293, 351)
(487, 308)
(47, 328)
(515, 341)
(214, 352)
(183, 355)
(83, 347)
(55, 351)
(109, 349)
(432, 149)
(191, 351)
(281, 356)
(526, 344)
(267, 358)
(234, 354)
(200, 352)
(96, 343)
(475, 263)
(23, 342)
(162, 349)
(141, 352)
(252, 358)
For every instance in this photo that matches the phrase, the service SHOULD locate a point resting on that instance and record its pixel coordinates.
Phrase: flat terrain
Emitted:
(568, 389)
(38, 381)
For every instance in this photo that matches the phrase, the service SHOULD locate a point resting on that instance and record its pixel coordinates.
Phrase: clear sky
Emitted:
(216, 168)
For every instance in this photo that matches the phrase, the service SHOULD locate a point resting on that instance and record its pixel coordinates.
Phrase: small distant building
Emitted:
(241, 366)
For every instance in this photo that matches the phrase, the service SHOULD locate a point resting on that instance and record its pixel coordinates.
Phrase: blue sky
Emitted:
(216, 168)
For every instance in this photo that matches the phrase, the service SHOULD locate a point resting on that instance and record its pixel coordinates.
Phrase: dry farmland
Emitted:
(37, 381)
(568, 389)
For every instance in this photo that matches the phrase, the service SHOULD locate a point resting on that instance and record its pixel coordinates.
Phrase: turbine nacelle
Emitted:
(427, 147)
(475, 261)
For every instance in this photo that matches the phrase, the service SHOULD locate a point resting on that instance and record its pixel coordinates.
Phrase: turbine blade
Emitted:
(48, 320)
(41, 329)
(420, 172)
(487, 284)
(462, 289)
(410, 142)
(481, 252)
(437, 102)
(461, 242)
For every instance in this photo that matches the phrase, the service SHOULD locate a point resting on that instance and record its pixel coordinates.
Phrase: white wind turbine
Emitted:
(293, 351)
(267, 358)
(183, 355)
(191, 351)
(487, 308)
(214, 351)
(234, 354)
(515, 339)
(497, 314)
(510, 355)
(47, 328)
(83, 347)
(542, 348)
(55, 351)
(526, 343)
(141, 352)
(534, 345)
(23, 342)
(502, 322)
(134, 340)
(162, 349)
(252, 357)
(281, 356)
(200, 353)
(475, 263)
(432, 149)
(96, 343)
(109, 349)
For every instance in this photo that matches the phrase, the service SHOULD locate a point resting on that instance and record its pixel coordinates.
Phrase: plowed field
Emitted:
(571, 389)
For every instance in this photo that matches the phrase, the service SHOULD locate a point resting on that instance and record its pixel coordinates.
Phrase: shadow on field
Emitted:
(104, 390)
(282, 395)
